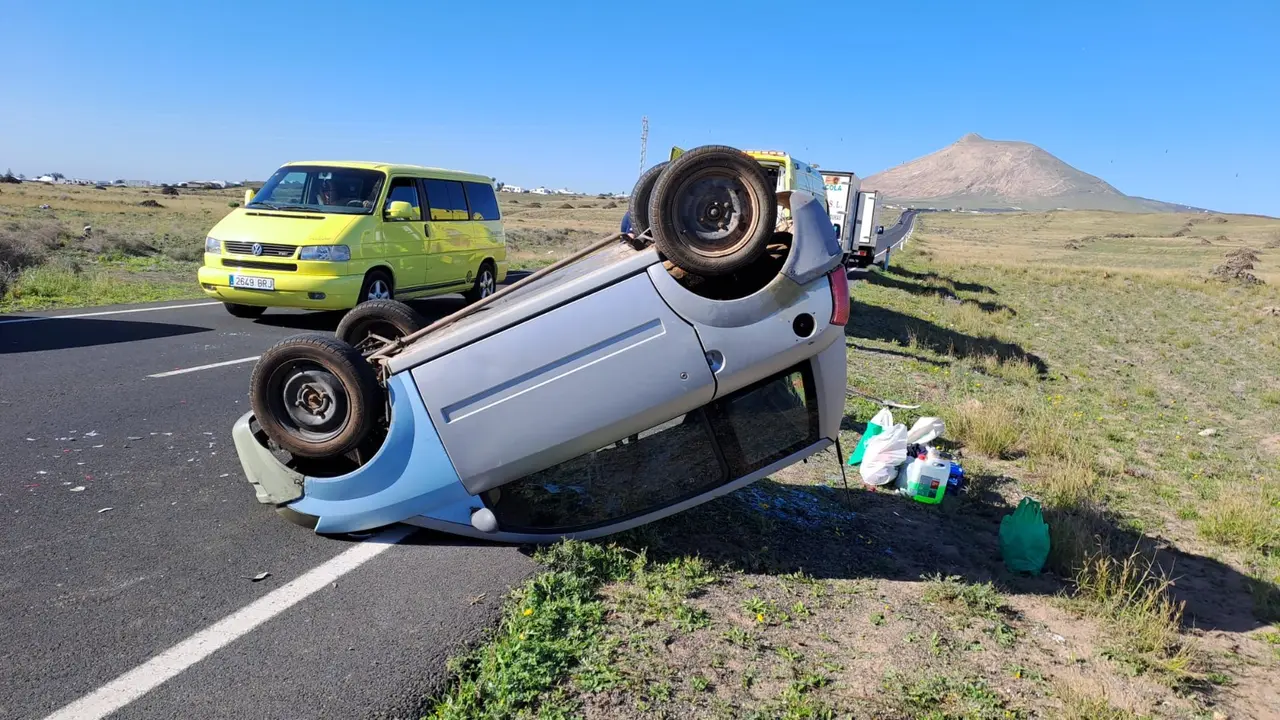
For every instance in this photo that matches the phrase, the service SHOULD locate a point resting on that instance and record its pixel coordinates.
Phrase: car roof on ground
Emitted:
(395, 169)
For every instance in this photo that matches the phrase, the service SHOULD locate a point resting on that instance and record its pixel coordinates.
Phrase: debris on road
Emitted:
(260, 576)
(105, 509)
(78, 488)
(131, 437)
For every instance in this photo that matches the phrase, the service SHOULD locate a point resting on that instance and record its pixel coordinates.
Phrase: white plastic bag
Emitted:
(885, 452)
(925, 431)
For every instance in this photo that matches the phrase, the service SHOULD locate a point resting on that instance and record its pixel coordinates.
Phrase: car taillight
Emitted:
(839, 296)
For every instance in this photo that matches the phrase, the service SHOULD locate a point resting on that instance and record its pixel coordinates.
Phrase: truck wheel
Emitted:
(244, 311)
(315, 396)
(486, 283)
(638, 205)
(713, 211)
(367, 322)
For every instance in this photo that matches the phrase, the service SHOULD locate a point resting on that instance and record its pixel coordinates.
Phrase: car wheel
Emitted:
(638, 205)
(377, 286)
(370, 324)
(485, 285)
(244, 311)
(315, 395)
(713, 211)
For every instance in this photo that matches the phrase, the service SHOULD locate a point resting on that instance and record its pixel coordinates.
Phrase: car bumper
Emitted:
(317, 292)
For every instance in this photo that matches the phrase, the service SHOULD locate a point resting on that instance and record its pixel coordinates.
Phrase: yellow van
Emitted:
(329, 235)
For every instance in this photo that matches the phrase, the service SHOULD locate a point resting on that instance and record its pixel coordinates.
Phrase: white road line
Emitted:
(205, 367)
(168, 664)
(106, 312)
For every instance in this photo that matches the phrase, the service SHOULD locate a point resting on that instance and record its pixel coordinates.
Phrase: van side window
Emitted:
(404, 189)
(484, 204)
(446, 200)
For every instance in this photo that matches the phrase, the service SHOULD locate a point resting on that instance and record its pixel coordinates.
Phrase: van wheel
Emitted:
(713, 211)
(486, 284)
(244, 311)
(377, 286)
(638, 205)
(370, 324)
(315, 396)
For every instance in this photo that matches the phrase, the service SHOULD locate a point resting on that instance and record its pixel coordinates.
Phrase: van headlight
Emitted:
(213, 246)
(330, 253)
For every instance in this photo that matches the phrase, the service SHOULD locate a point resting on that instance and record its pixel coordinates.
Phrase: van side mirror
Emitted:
(400, 210)
(248, 196)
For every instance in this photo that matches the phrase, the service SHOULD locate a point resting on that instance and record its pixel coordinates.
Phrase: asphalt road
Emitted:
(128, 528)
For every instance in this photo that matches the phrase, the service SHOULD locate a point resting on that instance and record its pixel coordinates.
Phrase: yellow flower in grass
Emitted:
(528, 612)
(760, 617)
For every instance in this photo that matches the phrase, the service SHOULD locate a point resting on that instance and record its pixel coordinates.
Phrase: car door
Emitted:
(405, 238)
(448, 226)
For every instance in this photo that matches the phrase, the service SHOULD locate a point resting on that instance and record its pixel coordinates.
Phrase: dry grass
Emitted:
(1144, 620)
(991, 427)
(1243, 520)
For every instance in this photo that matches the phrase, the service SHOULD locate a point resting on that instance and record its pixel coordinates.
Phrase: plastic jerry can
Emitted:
(925, 479)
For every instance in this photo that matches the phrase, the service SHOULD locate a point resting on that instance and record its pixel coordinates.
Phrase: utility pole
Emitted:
(644, 140)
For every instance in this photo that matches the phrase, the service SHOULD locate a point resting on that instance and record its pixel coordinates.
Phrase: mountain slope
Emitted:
(974, 172)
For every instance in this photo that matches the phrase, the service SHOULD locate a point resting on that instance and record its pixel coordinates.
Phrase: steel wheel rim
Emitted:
(378, 290)
(311, 401)
(715, 212)
(488, 285)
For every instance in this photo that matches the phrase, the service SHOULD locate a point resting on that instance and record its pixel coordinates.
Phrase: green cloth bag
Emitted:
(1024, 538)
(877, 425)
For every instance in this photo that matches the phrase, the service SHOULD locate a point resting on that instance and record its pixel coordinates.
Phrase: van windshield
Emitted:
(314, 188)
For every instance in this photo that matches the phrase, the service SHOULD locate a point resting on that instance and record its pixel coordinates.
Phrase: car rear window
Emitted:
(484, 204)
(679, 459)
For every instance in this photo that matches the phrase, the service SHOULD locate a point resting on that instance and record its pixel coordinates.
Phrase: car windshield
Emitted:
(321, 189)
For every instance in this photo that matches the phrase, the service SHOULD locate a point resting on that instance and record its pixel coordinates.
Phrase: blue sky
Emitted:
(1173, 100)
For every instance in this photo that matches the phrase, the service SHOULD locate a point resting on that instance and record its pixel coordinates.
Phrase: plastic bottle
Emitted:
(924, 479)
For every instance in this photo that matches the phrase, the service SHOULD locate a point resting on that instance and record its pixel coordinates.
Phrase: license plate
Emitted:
(253, 283)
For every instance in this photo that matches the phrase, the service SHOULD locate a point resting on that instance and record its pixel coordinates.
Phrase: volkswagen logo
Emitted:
(256, 249)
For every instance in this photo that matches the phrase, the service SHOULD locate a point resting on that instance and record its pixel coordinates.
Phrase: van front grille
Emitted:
(268, 249)
(254, 264)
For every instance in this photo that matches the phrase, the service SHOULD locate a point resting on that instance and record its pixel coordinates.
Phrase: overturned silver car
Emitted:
(647, 374)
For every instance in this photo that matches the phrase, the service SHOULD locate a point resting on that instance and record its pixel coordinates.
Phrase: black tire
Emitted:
(485, 285)
(301, 377)
(377, 286)
(244, 311)
(638, 205)
(713, 211)
(384, 318)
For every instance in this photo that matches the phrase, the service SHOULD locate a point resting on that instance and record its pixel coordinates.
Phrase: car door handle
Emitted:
(426, 229)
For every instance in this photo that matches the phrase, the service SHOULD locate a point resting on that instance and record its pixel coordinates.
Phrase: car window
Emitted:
(484, 204)
(404, 190)
(728, 439)
(289, 189)
(446, 200)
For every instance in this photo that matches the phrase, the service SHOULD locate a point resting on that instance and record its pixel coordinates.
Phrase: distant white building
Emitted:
(541, 191)
(512, 189)
(565, 191)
